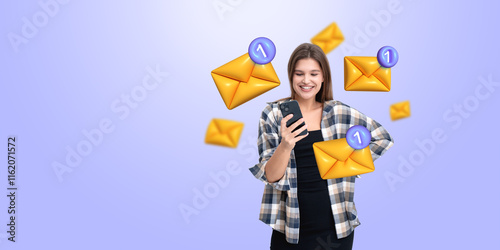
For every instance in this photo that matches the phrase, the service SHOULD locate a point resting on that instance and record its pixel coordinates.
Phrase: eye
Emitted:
(297, 74)
(314, 74)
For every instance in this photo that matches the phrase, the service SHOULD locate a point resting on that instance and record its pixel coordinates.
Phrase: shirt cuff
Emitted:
(259, 172)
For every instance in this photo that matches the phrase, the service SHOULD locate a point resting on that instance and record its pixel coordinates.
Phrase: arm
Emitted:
(274, 155)
(276, 166)
(348, 116)
(381, 139)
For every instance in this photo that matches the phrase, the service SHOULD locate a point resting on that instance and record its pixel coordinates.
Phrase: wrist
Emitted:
(285, 147)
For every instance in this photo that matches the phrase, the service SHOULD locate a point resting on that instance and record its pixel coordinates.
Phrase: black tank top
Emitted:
(314, 199)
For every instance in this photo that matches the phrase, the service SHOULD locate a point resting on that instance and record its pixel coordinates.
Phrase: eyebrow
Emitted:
(311, 70)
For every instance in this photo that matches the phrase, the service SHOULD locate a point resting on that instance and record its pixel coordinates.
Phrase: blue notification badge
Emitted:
(387, 56)
(358, 137)
(262, 50)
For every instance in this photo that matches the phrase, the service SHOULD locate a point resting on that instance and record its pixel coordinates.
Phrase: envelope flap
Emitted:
(383, 75)
(265, 72)
(227, 87)
(401, 107)
(238, 69)
(351, 72)
(212, 129)
(363, 157)
(332, 32)
(227, 126)
(248, 90)
(406, 108)
(324, 161)
(367, 65)
(224, 132)
(338, 149)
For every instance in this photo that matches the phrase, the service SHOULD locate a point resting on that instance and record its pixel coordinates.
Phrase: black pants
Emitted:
(325, 241)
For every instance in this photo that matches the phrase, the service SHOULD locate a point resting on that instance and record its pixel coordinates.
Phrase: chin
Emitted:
(307, 96)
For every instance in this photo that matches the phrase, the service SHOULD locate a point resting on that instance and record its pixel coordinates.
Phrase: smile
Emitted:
(306, 88)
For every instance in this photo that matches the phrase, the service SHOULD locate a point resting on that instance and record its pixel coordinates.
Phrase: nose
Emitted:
(306, 79)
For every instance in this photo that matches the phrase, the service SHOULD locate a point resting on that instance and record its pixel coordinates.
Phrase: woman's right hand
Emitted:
(289, 138)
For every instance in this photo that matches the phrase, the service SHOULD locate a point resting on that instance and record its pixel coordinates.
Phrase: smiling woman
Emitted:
(306, 211)
(309, 63)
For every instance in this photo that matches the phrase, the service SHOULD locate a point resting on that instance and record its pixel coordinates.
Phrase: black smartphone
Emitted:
(292, 107)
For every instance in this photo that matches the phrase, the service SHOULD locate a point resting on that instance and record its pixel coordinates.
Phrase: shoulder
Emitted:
(343, 112)
(335, 106)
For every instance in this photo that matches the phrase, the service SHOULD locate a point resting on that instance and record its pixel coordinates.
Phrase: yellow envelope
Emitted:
(400, 110)
(363, 73)
(336, 159)
(329, 38)
(224, 132)
(241, 80)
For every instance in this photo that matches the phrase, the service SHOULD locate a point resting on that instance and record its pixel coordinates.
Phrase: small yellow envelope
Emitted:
(363, 73)
(329, 38)
(400, 110)
(224, 132)
(336, 159)
(241, 80)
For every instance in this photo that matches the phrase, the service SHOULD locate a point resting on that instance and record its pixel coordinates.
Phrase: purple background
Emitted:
(128, 191)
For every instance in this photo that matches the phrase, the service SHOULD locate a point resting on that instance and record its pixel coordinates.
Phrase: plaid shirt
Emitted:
(280, 206)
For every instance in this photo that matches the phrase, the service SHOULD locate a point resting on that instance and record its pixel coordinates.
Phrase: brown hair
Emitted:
(308, 50)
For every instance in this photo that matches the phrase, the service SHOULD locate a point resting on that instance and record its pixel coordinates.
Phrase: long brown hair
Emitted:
(308, 50)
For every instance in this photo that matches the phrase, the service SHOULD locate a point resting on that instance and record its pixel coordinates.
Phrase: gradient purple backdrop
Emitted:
(71, 73)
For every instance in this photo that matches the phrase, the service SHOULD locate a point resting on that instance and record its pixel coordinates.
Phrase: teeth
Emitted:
(306, 87)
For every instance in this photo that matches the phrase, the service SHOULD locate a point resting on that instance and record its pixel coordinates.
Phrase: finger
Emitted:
(296, 124)
(285, 120)
(298, 138)
(298, 131)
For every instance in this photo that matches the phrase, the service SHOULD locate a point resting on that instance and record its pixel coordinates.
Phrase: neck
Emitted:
(307, 105)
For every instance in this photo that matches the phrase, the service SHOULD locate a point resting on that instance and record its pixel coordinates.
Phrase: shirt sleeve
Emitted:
(381, 139)
(267, 142)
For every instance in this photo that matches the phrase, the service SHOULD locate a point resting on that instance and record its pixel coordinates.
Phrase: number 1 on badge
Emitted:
(261, 49)
(387, 56)
(357, 135)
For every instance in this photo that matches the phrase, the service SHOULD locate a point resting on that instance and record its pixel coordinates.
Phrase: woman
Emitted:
(305, 211)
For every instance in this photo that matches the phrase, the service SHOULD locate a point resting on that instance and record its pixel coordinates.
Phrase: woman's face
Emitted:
(307, 78)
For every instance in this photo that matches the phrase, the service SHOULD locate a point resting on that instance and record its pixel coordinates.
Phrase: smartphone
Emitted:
(292, 107)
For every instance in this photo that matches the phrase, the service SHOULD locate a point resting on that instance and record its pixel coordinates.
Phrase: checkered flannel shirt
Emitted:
(280, 206)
